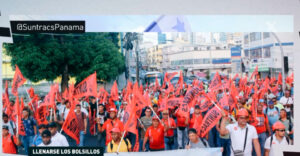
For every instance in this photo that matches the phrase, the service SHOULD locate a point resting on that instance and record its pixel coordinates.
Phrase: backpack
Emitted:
(277, 109)
(112, 145)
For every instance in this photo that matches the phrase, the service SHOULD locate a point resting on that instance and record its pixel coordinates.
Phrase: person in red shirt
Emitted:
(196, 117)
(182, 128)
(170, 125)
(262, 126)
(109, 124)
(155, 134)
(9, 142)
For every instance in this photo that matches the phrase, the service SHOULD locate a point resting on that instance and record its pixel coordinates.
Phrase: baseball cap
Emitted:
(261, 100)
(270, 102)
(115, 130)
(113, 110)
(197, 107)
(46, 133)
(155, 118)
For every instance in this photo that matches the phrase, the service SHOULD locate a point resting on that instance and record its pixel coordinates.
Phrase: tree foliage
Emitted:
(47, 56)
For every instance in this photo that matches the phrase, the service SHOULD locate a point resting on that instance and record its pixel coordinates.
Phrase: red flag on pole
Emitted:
(70, 126)
(215, 83)
(279, 79)
(210, 120)
(18, 81)
(255, 72)
(114, 93)
(6, 101)
(87, 87)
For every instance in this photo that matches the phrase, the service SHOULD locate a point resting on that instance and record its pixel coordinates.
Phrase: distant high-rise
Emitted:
(162, 39)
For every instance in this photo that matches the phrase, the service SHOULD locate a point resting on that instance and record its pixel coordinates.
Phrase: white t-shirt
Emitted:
(275, 144)
(284, 100)
(66, 112)
(11, 126)
(237, 135)
(60, 140)
(52, 144)
(60, 108)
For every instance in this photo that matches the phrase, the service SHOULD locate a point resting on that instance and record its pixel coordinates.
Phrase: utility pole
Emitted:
(282, 60)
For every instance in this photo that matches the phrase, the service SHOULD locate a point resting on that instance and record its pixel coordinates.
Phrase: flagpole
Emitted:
(155, 113)
(142, 124)
(121, 141)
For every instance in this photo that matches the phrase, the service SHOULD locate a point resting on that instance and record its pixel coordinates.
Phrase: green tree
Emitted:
(47, 56)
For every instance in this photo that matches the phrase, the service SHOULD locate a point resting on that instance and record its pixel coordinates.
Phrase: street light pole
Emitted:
(282, 60)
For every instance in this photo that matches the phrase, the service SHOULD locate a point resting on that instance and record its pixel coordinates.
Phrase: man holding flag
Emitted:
(242, 134)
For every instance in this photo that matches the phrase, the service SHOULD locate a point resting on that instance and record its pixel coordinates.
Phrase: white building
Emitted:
(200, 58)
(263, 50)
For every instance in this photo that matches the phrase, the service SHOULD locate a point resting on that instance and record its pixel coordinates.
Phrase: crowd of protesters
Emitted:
(238, 131)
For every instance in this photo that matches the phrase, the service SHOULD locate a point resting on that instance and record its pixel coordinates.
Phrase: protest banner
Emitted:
(87, 87)
(18, 81)
(179, 152)
(210, 120)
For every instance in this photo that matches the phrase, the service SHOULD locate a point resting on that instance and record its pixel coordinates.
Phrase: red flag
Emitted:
(20, 129)
(163, 104)
(255, 72)
(87, 87)
(170, 76)
(18, 81)
(129, 118)
(173, 102)
(210, 120)
(215, 83)
(236, 76)
(189, 97)
(114, 92)
(204, 104)
(31, 92)
(179, 84)
(224, 101)
(279, 79)
(170, 88)
(70, 126)
(6, 101)
(41, 115)
(92, 122)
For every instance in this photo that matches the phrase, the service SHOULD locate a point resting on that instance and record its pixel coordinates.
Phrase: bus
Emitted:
(151, 76)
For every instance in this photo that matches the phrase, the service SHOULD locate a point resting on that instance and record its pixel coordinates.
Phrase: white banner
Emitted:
(181, 152)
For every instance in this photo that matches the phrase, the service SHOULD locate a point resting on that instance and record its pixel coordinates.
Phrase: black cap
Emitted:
(197, 107)
(155, 105)
(52, 124)
(46, 133)
(5, 127)
(43, 126)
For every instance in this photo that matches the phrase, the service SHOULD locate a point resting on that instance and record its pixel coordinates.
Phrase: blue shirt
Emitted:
(28, 125)
(37, 140)
(272, 114)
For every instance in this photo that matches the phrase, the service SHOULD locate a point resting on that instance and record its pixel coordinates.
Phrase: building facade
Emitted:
(262, 49)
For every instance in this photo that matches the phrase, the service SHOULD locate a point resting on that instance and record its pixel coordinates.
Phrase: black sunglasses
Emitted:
(281, 130)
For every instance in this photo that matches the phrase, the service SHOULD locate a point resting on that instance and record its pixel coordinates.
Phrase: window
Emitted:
(246, 53)
(267, 53)
(246, 39)
(266, 35)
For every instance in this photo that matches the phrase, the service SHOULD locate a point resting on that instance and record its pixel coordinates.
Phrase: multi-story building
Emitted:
(192, 58)
(155, 58)
(263, 50)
